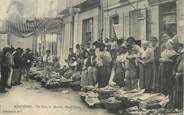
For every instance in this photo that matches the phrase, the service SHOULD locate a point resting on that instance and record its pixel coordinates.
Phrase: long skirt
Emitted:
(84, 78)
(16, 76)
(165, 75)
(177, 97)
(102, 76)
(119, 75)
(131, 77)
(92, 75)
(155, 86)
(108, 70)
(141, 77)
(148, 75)
(131, 83)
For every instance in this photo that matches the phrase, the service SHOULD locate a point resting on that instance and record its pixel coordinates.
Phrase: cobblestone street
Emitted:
(30, 99)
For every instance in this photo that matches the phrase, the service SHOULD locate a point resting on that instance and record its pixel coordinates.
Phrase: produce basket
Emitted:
(76, 86)
(112, 105)
(52, 86)
(65, 83)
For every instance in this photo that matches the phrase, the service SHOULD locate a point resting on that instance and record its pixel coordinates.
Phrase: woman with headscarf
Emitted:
(167, 60)
(164, 39)
(154, 46)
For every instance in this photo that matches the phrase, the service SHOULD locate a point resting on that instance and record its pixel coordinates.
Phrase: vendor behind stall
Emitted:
(48, 58)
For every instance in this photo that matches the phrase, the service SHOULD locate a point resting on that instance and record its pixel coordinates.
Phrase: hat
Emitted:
(153, 38)
(131, 38)
(123, 46)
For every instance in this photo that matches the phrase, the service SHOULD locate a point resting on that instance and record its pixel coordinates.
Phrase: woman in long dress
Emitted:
(84, 75)
(131, 74)
(178, 86)
(167, 60)
(147, 65)
(176, 100)
(91, 68)
(154, 46)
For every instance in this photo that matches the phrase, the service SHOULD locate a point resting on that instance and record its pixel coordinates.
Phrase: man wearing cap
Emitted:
(27, 62)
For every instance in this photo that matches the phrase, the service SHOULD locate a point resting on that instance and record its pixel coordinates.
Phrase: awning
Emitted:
(30, 27)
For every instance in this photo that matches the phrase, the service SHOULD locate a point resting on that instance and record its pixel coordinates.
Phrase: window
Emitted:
(135, 24)
(168, 18)
(87, 31)
(114, 20)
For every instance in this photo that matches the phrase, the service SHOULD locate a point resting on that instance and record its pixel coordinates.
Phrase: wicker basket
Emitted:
(113, 107)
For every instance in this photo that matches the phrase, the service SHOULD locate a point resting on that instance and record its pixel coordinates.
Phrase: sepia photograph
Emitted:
(91, 57)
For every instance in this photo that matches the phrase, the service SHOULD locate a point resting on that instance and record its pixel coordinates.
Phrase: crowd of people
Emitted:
(157, 68)
(15, 64)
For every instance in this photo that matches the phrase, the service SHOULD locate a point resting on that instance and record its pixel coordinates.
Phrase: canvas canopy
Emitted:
(31, 27)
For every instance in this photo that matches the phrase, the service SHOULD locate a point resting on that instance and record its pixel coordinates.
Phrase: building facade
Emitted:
(82, 22)
(90, 20)
(124, 18)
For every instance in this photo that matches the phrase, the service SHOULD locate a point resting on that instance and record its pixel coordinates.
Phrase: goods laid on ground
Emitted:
(49, 78)
(134, 102)
(113, 99)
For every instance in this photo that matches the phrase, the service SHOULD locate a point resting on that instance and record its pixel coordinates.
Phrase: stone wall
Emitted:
(180, 19)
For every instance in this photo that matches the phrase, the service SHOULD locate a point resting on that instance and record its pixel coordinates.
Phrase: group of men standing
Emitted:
(14, 64)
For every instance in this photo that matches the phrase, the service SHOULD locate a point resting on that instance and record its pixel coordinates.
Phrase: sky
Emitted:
(36, 8)
(3, 8)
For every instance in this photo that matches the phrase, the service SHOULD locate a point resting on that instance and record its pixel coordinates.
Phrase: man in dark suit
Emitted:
(5, 69)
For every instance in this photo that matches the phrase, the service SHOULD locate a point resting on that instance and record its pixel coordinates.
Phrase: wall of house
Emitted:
(180, 19)
(155, 21)
(124, 17)
(21, 42)
(66, 40)
(94, 13)
(3, 41)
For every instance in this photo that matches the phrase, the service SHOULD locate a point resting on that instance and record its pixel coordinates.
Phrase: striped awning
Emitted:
(31, 27)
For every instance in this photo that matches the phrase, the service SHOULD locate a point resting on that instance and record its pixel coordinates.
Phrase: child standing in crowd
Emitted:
(119, 66)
